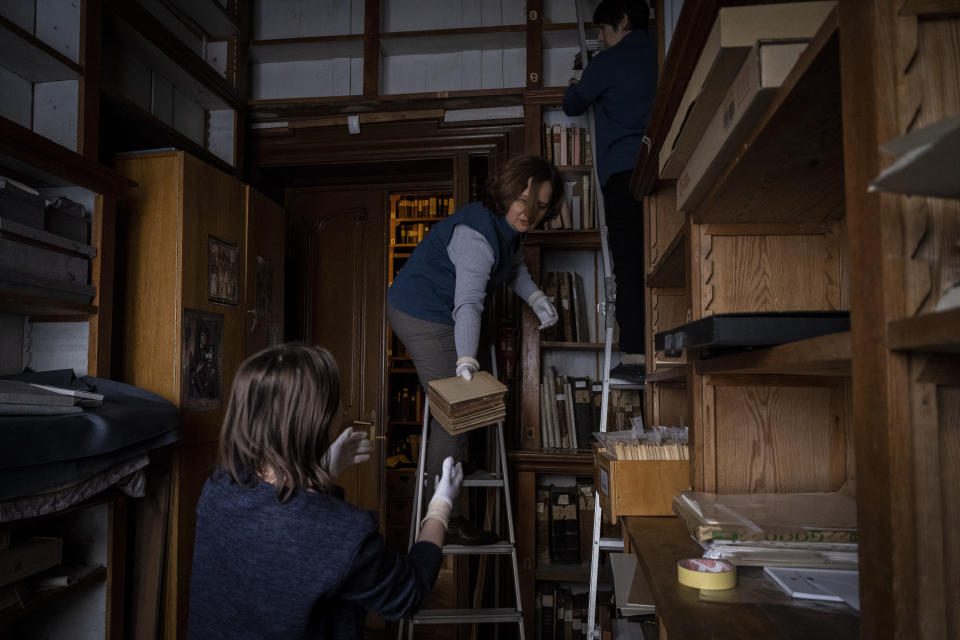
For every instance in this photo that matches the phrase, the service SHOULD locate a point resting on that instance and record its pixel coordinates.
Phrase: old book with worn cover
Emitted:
(783, 517)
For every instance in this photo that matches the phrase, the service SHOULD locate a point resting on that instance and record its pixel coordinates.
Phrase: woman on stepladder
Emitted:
(435, 302)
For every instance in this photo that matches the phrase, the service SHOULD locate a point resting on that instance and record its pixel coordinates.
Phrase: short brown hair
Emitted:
(281, 405)
(505, 187)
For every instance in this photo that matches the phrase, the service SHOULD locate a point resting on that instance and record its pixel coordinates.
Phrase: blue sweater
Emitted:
(309, 568)
(426, 284)
(621, 82)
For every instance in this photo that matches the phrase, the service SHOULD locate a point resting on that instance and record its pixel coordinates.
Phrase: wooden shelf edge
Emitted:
(281, 109)
(210, 15)
(49, 308)
(827, 355)
(458, 31)
(670, 270)
(675, 373)
(560, 461)
(52, 164)
(58, 65)
(575, 346)
(937, 332)
(564, 239)
(177, 139)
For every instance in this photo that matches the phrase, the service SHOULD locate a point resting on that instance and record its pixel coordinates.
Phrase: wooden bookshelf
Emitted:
(210, 16)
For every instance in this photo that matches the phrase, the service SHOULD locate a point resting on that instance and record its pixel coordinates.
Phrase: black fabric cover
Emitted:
(42, 453)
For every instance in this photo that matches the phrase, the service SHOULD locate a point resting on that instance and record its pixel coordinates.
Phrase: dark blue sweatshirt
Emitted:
(309, 568)
(621, 83)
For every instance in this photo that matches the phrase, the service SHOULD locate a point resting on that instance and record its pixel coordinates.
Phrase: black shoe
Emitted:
(460, 531)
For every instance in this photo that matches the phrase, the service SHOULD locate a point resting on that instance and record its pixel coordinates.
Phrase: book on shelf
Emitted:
(542, 535)
(586, 499)
(582, 412)
(564, 526)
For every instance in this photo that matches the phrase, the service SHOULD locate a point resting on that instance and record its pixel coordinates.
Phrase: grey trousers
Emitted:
(434, 354)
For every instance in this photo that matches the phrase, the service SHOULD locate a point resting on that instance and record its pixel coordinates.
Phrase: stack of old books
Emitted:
(461, 405)
(815, 530)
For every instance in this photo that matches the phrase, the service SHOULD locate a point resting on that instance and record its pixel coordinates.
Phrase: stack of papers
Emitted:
(815, 530)
(23, 399)
(461, 405)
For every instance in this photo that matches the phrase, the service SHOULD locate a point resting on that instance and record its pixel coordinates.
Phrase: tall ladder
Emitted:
(607, 310)
(498, 478)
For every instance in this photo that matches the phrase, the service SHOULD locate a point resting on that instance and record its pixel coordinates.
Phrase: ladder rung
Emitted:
(482, 478)
(457, 616)
(500, 548)
(610, 543)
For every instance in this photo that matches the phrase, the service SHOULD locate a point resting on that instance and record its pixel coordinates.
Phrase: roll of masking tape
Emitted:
(704, 573)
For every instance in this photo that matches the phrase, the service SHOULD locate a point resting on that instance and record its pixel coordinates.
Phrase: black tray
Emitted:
(724, 332)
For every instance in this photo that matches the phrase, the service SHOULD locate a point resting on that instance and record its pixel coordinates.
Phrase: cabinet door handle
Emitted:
(253, 318)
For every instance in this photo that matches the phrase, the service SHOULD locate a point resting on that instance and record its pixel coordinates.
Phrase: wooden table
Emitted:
(755, 608)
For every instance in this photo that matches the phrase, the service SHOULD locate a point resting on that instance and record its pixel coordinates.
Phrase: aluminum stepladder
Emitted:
(498, 478)
(607, 310)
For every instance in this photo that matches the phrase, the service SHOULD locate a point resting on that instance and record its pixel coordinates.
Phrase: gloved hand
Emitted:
(447, 486)
(466, 367)
(545, 311)
(348, 449)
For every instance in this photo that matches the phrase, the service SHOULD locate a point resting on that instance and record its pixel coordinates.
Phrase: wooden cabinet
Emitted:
(194, 237)
(789, 225)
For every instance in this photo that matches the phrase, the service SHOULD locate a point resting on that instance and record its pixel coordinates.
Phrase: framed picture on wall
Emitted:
(202, 361)
(223, 271)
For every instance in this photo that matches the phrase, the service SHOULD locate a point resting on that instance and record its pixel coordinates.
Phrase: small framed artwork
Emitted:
(264, 288)
(223, 271)
(202, 361)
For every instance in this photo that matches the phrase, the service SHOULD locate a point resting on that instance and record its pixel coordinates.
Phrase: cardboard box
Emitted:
(766, 67)
(638, 487)
(734, 32)
(27, 558)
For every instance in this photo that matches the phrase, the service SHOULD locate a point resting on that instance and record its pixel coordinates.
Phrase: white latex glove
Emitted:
(447, 486)
(541, 306)
(466, 367)
(348, 449)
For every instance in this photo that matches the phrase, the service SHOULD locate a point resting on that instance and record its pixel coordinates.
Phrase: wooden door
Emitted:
(336, 273)
(264, 266)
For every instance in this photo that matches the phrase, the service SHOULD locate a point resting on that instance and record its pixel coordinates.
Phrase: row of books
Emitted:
(570, 410)
(567, 145)
(566, 290)
(562, 614)
(410, 232)
(564, 519)
(406, 403)
(578, 207)
(423, 206)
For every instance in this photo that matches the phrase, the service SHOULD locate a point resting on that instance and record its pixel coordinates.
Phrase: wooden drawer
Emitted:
(638, 487)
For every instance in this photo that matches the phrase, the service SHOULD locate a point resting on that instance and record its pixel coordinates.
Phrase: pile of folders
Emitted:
(461, 405)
